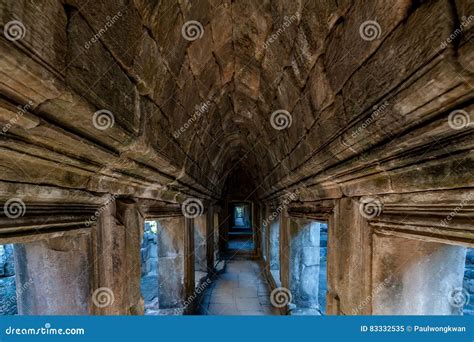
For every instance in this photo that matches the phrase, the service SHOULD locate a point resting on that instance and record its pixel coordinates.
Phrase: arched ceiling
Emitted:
(248, 59)
(292, 94)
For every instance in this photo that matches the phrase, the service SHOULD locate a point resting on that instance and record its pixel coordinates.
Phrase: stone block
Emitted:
(171, 282)
(310, 256)
(94, 73)
(54, 276)
(44, 29)
(115, 24)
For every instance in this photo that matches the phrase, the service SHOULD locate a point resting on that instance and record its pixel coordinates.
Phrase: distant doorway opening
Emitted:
(240, 227)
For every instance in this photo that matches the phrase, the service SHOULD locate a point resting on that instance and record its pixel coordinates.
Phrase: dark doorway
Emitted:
(240, 228)
(241, 216)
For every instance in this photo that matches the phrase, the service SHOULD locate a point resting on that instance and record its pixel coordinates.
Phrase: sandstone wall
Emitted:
(131, 60)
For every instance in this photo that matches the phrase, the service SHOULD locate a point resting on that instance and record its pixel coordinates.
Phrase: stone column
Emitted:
(118, 233)
(284, 249)
(216, 239)
(256, 229)
(130, 218)
(304, 262)
(200, 245)
(274, 244)
(225, 224)
(348, 258)
(210, 241)
(53, 276)
(414, 277)
(171, 262)
(189, 264)
(264, 235)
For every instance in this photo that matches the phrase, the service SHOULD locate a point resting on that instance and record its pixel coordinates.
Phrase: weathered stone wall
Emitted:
(416, 277)
(54, 276)
(274, 228)
(304, 263)
(171, 267)
(200, 241)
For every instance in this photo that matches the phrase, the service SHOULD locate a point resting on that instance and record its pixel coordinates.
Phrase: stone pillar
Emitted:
(217, 249)
(348, 259)
(414, 277)
(210, 241)
(189, 264)
(256, 229)
(118, 234)
(264, 235)
(222, 228)
(225, 225)
(53, 276)
(284, 249)
(130, 218)
(304, 262)
(200, 245)
(274, 244)
(171, 262)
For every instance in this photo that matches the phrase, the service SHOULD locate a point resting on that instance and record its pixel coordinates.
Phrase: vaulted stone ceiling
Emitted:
(194, 87)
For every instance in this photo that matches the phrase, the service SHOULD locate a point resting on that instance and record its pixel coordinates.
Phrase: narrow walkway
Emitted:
(240, 290)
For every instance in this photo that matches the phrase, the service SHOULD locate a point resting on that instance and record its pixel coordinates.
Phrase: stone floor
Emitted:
(241, 245)
(240, 290)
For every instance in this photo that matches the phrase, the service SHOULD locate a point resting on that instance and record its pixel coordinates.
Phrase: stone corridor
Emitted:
(326, 146)
(241, 290)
